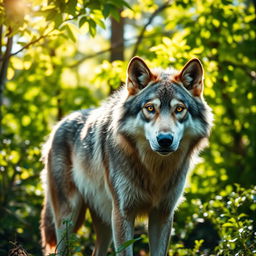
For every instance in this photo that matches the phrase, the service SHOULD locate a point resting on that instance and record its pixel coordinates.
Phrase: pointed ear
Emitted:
(192, 77)
(138, 75)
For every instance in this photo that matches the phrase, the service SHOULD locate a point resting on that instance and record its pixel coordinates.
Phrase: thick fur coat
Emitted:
(129, 157)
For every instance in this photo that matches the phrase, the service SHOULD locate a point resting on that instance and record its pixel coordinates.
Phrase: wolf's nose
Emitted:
(164, 140)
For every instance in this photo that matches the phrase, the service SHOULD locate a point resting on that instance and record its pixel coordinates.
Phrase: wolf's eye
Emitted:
(179, 109)
(150, 108)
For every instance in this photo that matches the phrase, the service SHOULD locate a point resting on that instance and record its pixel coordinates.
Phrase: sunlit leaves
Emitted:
(112, 74)
(71, 6)
(71, 31)
(235, 227)
(48, 81)
(231, 213)
(82, 20)
(68, 79)
(111, 8)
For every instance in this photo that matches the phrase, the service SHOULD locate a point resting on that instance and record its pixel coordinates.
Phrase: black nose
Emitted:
(164, 140)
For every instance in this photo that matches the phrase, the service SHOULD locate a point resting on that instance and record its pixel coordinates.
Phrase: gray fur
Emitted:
(106, 160)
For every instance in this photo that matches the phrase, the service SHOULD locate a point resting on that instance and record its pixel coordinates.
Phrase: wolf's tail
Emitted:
(47, 227)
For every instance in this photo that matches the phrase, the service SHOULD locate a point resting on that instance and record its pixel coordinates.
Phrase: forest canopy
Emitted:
(60, 56)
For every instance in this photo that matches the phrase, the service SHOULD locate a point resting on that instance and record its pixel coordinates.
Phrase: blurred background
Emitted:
(61, 56)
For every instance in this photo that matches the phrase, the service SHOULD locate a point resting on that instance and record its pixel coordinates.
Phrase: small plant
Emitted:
(125, 245)
(70, 241)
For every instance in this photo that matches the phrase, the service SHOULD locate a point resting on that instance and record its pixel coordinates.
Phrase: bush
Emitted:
(233, 217)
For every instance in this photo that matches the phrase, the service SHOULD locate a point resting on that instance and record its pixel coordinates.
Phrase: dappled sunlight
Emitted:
(55, 59)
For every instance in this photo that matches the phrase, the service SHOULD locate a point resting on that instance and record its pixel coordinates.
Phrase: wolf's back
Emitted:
(57, 159)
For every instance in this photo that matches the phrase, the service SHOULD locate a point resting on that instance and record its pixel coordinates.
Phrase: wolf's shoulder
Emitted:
(74, 119)
(69, 127)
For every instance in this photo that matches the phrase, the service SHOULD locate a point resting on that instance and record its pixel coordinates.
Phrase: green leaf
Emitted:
(228, 224)
(71, 31)
(71, 7)
(92, 27)
(101, 23)
(82, 21)
(126, 5)
(51, 14)
(58, 20)
(242, 215)
(106, 10)
(115, 14)
(120, 4)
(127, 244)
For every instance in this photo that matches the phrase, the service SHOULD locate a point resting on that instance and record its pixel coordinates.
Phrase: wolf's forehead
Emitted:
(167, 89)
(161, 91)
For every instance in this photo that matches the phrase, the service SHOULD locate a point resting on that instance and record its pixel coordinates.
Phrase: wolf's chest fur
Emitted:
(143, 179)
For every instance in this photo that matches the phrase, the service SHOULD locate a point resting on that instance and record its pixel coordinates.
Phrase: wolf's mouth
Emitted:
(164, 152)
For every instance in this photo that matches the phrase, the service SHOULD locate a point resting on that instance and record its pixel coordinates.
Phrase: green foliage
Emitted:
(20, 195)
(70, 241)
(180, 250)
(74, 248)
(41, 90)
(47, 79)
(21, 15)
(221, 35)
(232, 215)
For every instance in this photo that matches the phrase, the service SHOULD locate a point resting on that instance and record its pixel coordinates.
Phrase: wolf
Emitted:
(127, 158)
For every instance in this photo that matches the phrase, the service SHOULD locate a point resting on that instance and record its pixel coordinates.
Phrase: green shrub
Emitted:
(233, 217)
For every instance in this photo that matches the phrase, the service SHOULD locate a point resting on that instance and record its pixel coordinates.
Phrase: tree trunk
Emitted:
(117, 39)
(4, 62)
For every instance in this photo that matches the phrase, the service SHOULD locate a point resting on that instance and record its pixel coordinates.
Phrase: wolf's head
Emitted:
(165, 106)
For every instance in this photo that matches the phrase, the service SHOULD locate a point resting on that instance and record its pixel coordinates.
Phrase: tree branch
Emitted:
(95, 54)
(151, 18)
(38, 39)
(249, 71)
(27, 45)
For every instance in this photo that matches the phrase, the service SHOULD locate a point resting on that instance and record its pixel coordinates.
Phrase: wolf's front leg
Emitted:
(159, 228)
(122, 228)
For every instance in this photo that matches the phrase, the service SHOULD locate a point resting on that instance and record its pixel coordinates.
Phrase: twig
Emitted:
(28, 45)
(39, 38)
(153, 15)
(95, 54)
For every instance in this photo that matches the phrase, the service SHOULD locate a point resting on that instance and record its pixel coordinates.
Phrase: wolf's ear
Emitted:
(192, 77)
(138, 75)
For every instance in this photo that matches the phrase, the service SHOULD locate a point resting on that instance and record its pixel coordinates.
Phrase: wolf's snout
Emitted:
(164, 140)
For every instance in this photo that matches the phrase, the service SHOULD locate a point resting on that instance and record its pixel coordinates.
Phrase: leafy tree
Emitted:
(38, 41)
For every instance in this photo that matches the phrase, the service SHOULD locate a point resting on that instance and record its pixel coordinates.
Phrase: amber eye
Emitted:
(150, 108)
(179, 109)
